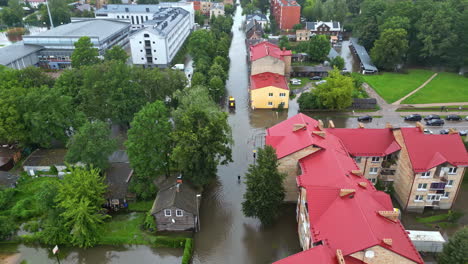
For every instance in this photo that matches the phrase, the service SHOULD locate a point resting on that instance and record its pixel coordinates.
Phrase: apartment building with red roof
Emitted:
(287, 13)
(341, 217)
(268, 57)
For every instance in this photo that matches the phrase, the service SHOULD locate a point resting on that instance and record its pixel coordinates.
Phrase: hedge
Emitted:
(188, 251)
(171, 242)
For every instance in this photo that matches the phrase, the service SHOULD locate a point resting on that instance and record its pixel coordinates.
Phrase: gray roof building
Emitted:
(366, 63)
(257, 17)
(18, 55)
(333, 25)
(181, 196)
(127, 9)
(332, 53)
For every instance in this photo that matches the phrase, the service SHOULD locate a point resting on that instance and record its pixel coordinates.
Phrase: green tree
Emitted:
(367, 24)
(265, 191)
(202, 136)
(284, 43)
(318, 48)
(7, 227)
(395, 22)
(198, 78)
(13, 14)
(59, 10)
(217, 70)
(116, 53)
(308, 101)
(298, 26)
(149, 147)
(338, 62)
(91, 145)
(229, 9)
(216, 88)
(80, 196)
(337, 92)
(390, 49)
(222, 61)
(199, 18)
(456, 250)
(201, 44)
(85, 53)
(335, 10)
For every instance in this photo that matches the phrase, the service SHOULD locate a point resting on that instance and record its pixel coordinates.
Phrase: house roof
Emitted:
(363, 55)
(427, 151)
(332, 53)
(364, 142)
(116, 178)
(286, 141)
(168, 197)
(318, 68)
(16, 51)
(320, 254)
(333, 25)
(288, 3)
(265, 48)
(257, 17)
(46, 157)
(266, 79)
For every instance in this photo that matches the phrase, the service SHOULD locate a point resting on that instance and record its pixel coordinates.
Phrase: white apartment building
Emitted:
(159, 39)
(137, 15)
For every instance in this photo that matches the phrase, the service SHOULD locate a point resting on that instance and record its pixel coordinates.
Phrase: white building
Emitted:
(217, 9)
(36, 3)
(159, 39)
(139, 14)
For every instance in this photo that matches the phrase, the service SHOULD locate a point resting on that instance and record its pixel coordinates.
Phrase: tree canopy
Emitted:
(456, 250)
(116, 53)
(318, 48)
(85, 53)
(390, 49)
(265, 191)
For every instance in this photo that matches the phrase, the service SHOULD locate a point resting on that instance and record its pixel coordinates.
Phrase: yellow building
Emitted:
(268, 90)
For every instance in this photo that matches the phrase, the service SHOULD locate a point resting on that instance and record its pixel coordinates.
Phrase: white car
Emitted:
(320, 82)
(296, 82)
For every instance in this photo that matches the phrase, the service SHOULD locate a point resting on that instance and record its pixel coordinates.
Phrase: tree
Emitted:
(198, 78)
(338, 62)
(116, 53)
(13, 14)
(217, 70)
(390, 49)
(7, 227)
(265, 191)
(216, 88)
(229, 9)
(148, 2)
(456, 250)
(59, 10)
(202, 136)
(367, 24)
(335, 10)
(149, 147)
(298, 26)
(337, 92)
(199, 18)
(222, 61)
(91, 145)
(308, 101)
(284, 43)
(318, 48)
(395, 22)
(80, 196)
(84, 53)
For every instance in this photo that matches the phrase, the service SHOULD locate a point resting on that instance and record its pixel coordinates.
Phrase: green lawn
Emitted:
(304, 81)
(445, 88)
(125, 229)
(393, 86)
(140, 206)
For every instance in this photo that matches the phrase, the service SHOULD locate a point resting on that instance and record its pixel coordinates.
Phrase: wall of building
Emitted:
(289, 165)
(302, 35)
(216, 12)
(290, 16)
(185, 222)
(381, 256)
(303, 223)
(26, 61)
(268, 64)
(260, 98)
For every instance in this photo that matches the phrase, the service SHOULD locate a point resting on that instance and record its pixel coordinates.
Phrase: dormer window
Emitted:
(146, 35)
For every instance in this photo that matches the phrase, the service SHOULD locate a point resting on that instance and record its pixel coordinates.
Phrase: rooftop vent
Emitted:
(363, 184)
(297, 127)
(420, 126)
(320, 124)
(390, 215)
(388, 125)
(388, 241)
(339, 257)
(147, 10)
(357, 172)
(331, 124)
(344, 192)
(360, 125)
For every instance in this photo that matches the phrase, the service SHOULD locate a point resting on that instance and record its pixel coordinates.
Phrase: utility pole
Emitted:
(50, 17)
(198, 212)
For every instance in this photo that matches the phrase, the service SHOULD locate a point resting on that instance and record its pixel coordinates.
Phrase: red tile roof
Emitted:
(266, 48)
(266, 79)
(350, 223)
(364, 142)
(427, 151)
(285, 141)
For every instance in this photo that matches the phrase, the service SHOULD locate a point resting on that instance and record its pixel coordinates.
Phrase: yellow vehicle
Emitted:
(232, 103)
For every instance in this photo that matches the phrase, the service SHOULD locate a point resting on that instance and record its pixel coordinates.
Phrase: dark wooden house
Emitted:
(176, 207)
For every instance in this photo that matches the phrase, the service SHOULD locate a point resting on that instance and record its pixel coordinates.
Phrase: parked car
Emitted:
(435, 122)
(453, 118)
(466, 118)
(444, 131)
(463, 132)
(320, 82)
(366, 118)
(427, 131)
(316, 78)
(413, 117)
(296, 82)
(430, 117)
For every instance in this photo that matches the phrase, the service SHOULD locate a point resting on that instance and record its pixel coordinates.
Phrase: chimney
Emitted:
(331, 124)
(320, 124)
(344, 192)
(420, 126)
(284, 48)
(388, 125)
(390, 215)
(360, 125)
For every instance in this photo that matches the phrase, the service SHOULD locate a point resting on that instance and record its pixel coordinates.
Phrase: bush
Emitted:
(188, 251)
(7, 227)
(170, 242)
(150, 223)
(22, 209)
(308, 100)
(31, 226)
(6, 197)
(53, 170)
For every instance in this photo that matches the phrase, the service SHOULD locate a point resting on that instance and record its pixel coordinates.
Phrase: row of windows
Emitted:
(374, 159)
(432, 197)
(423, 186)
(271, 103)
(280, 94)
(451, 170)
(168, 212)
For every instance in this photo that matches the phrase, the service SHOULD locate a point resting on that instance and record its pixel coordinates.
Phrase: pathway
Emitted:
(417, 89)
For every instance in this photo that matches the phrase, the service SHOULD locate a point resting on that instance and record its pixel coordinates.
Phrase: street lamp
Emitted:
(198, 212)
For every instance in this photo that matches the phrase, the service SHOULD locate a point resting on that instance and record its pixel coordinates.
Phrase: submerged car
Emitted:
(366, 118)
(430, 117)
(444, 131)
(453, 118)
(435, 122)
(463, 133)
(413, 117)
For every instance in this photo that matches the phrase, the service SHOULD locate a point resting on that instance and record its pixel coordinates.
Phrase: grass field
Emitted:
(393, 86)
(125, 229)
(304, 81)
(445, 88)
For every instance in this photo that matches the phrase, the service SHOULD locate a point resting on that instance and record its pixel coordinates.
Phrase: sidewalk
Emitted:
(415, 90)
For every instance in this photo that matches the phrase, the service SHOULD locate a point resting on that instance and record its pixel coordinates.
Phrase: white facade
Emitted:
(35, 3)
(217, 9)
(157, 43)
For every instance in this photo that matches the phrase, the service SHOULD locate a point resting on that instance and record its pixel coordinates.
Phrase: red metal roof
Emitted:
(427, 151)
(364, 142)
(350, 223)
(266, 48)
(266, 79)
(286, 141)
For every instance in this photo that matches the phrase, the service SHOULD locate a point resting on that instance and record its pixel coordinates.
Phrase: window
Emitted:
(270, 94)
(282, 94)
(452, 170)
(167, 212)
(446, 195)
(147, 43)
(146, 35)
(422, 186)
(449, 183)
(433, 197)
(357, 159)
(373, 180)
(375, 159)
(118, 17)
(419, 198)
(270, 103)
(373, 170)
(179, 213)
(426, 174)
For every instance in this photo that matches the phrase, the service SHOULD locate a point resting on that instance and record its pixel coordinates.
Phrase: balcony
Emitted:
(437, 186)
